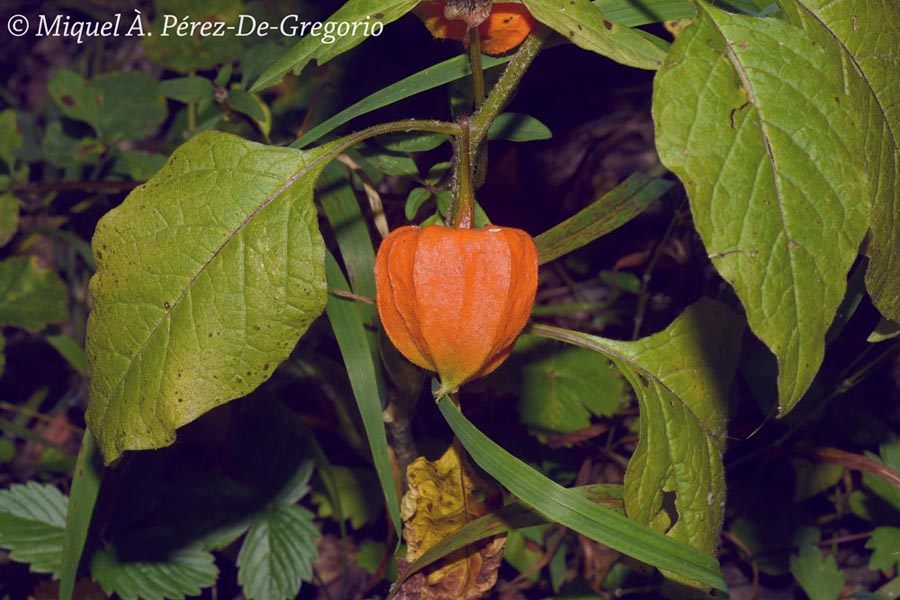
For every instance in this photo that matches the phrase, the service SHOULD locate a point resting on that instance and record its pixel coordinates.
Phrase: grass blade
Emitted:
(621, 204)
(347, 323)
(83, 497)
(427, 79)
(572, 510)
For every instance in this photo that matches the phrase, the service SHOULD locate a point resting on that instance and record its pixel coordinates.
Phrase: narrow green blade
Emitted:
(572, 510)
(346, 320)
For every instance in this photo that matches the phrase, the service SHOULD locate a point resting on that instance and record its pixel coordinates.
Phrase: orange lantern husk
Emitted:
(454, 301)
(505, 28)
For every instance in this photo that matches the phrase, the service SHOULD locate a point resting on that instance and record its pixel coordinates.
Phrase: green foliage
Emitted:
(278, 553)
(561, 387)
(109, 103)
(206, 276)
(10, 138)
(9, 218)
(779, 119)
(181, 573)
(884, 543)
(518, 127)
(312, 48)
(33, 296)
(819, 576)
(681, 377)
(352, 487)
(584, 26)
(792, 157)
(577, 512)
(190, 50)
(32, 522)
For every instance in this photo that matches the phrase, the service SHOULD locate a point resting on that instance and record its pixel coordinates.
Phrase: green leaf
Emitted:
(188, 89)
(125, 105)
(2, 354)
(347, 322)
(67, 152)
(571, 509)
(85, 486)
(183, 572)
(632, 13)
(415, 141)
(9, 217)
(278, 553)
(414, 201)
(813, 478)
(869, 41)
(518, 127)
(885, 330)
(32, 522)
(681, 377)
(561, 387)
(31, 296)
(769, 146)
(584, 25)
(390, 163)
(132, 105)
(885, 546)
(76, 98)
(353, 487)
(312, 47)
(819, 577)
(10, 139)
(427, 79)
(244, 103)
(184, 50)
(206, 277)
(614, 209)
(138, 164)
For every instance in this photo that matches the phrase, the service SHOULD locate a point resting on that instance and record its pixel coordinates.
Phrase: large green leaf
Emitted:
(681, 377)
(278, 553)
(367, 12)
(183, 572)
(31, 296)
(206, 277)
(638, 12)
(32, 522)
(585, 26)
(870, 42)
(573, 510)
(761, 121)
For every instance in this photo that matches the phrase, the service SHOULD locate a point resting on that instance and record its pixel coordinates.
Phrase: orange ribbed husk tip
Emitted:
(455, 300)
(506, 27)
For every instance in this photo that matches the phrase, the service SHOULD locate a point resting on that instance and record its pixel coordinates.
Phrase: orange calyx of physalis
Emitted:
(507, 25)
(455, 300)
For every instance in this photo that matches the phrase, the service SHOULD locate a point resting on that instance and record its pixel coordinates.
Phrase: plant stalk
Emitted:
(462, 209)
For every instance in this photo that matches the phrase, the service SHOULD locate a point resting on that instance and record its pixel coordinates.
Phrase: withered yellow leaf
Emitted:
(443, 496)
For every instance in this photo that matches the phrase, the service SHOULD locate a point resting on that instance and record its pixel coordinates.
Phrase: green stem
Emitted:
(477, 70)
(509, 81)
(462, 209)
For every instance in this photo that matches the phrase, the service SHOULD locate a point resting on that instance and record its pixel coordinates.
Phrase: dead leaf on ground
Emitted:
(443, 496)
